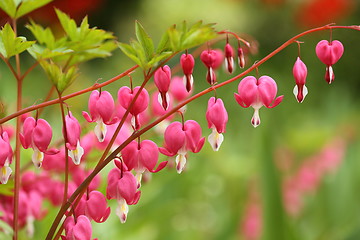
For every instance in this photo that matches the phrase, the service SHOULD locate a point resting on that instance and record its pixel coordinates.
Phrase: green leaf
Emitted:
(130, 52)
(9, 6)
(60, 78)
(43, 36)
(27, 6)
(144, 40)
(11, 45)
(158, 58)
(67, 23)
(174, 38)
(163, 44)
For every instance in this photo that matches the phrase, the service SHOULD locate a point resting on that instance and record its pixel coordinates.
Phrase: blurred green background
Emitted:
(238, 191)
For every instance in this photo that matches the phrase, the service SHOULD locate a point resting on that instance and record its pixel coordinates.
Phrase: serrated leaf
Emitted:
(130, 52)
(40, 53)
(43, 36)
(11, 45)
(9, 6)
(67, 24)
(158, 58)
(144, 40)
(60, 78)
(27, 6)
(174, 38)
(163, 44)
(139, 52)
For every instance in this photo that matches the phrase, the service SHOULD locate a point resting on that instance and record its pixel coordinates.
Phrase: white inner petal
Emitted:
(122, 210)
(100, 130)
(215, 139)
(180, 161)
(76, 154)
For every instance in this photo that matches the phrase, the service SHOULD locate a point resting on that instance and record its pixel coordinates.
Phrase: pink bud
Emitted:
(162, 79)
(257, 93)
(241, 57)
(216, 114)
(329, 53)
(212, 59)
(187, 63)
(229, 58)
(300, 73)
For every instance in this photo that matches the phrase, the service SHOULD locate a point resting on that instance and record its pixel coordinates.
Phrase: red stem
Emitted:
(55, 101)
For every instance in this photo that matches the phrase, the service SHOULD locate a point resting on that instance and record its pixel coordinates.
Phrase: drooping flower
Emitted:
(212, 59)
(229, 58)
(37, 135)
(73, 131)
(125, 97)
(5, 157)
(257, 93)
(329, 53)
(181, 138)
(187, 63)
(93, 206)
(102, 110)
(300, 72)
(178, 89)
(241, 57)
(122, 186)
(217, 117)
(142, 156)
(162, 77)
(77, 230)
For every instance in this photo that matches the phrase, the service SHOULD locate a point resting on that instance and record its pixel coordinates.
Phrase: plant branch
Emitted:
(55, 101)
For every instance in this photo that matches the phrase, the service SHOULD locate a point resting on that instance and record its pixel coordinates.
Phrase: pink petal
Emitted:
(42, 134)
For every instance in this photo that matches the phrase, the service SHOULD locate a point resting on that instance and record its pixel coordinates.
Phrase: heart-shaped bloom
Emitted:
(5, 157)
(181, 138)
(217, 117)
(229, 58)
(102, 109)
(329, 53)
(257, 93)
(187, 63)
(73, 131)
(122, 186)
(162, 77)
(77, 230)
(37, 135)
(212, 59)
(126, 96)
(142, 156)
(94, 206)
(300, 73)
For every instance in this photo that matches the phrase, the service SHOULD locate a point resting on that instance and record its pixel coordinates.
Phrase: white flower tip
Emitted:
(100, 131)
(255, 120)
(76, 154)
(180, 161)
(215, 139)
(37, 158)
(300, 98)
(5, 173)
(122, 210)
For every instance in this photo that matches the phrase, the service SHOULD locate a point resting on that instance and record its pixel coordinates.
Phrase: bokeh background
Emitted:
(294, 177)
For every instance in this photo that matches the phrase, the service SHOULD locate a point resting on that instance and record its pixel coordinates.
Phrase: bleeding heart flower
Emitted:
(329, 53)
(126, 96)
(217, 118)
(142, 156)
(77, 230)
(162, 77)
(73, 131)
(257, 93)
(241, 57)
(102, 109)
(37, 134)
(181, 138)
(5, 157)
(300, 72)
(122, 186)
(187, 63)
(93, 206)
(212, 59)
(229, 58)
